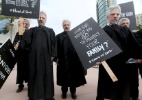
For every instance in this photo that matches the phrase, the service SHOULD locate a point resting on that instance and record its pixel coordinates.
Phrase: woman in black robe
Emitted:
(22, 64)
(22, 57)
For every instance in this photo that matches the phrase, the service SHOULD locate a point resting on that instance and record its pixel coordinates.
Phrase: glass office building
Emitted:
(139, 19)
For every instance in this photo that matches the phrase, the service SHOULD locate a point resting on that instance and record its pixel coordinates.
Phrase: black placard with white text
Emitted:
(92, 44)
(127, 11)
(7, 61)
(21, 8)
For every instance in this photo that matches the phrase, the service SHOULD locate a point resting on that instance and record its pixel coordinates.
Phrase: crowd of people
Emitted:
(38, 47)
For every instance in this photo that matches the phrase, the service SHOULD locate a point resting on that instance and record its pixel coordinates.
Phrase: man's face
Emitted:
(114, 16)
(42, 19)
(26, 24)
(125, 23)
(66, 26)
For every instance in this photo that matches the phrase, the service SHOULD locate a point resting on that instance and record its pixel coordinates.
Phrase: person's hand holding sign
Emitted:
(17, 45)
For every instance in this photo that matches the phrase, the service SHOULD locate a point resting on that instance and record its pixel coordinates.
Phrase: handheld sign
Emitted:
(92, 44)
(18, 8)
(127, 11)
(7, 60)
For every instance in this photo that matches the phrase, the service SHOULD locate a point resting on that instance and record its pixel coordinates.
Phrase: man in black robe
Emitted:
(22, 58)
(123, 37)
(42, 44)
(70, 72)
(138, 37)
(133, 64)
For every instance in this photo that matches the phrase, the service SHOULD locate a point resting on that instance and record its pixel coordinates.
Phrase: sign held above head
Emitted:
(24, 8)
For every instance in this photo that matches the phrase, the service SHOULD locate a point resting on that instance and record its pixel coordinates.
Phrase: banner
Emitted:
(92, 43)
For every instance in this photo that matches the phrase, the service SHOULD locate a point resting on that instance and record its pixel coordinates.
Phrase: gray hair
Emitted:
(112, 8)
(123, 19)
(65, 20)
(42, 12)
(27, 20)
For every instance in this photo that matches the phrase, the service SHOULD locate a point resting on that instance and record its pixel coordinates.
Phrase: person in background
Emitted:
(70, 72)
(122, 36)
(133, 64)
(124, 22)
(26, 24)
(22, 58)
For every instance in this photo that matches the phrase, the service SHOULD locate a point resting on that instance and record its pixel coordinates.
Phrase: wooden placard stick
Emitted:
(21, 28)
(109, 71)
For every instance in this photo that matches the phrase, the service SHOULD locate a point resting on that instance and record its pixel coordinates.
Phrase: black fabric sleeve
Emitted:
(53, 43)
(26, 39)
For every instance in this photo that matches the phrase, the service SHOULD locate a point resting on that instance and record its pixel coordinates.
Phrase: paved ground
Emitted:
(86, 92)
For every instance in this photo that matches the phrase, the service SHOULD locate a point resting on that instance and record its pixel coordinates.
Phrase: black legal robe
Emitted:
(42, 44)
(22, 61)
(138, 36)
(70, 71)
(135, 68)
(119, 90)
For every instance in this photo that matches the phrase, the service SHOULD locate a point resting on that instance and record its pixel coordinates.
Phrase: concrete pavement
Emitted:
(86, 92)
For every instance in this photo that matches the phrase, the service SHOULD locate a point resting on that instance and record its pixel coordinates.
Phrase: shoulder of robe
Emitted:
(17, 33)
(139, 32)
(50, 30)
(106, 27)
(47, 28)
(33, 28)
(59, 34)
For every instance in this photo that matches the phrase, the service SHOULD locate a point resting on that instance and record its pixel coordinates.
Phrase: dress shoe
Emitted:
(30, 99)
(74, 96)
(64, 96)
(19, 90)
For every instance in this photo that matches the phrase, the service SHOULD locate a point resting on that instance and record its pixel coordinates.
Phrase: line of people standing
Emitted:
(44, 48)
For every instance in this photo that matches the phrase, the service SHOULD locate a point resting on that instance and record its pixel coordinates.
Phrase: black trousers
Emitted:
(65, 89)
(134, 80)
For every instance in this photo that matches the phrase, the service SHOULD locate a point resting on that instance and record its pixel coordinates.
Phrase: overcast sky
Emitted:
(76, 11)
